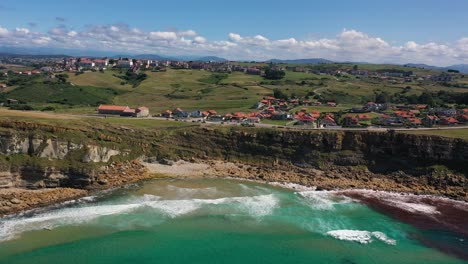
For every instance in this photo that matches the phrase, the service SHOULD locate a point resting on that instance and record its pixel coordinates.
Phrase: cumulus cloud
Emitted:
(162, 35)
(22, 30)
(3, 31)
(347, 45)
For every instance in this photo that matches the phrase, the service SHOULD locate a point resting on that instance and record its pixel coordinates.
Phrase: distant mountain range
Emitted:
(93, 53)
(463, 68)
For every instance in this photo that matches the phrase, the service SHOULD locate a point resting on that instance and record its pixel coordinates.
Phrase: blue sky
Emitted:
(437, 25)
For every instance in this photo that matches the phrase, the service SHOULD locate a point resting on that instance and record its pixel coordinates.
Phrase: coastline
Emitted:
(116, 175)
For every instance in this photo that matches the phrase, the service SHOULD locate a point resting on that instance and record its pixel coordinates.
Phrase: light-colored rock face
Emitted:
(99, 154)
(53, 149)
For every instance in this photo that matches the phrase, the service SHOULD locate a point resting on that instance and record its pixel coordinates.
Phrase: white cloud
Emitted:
(187, 33)
(160, 35)
(41, 40)
(199, 39)
(72, 33)
(347, 45)
(3, 31)
(22, 30)
(235, 37)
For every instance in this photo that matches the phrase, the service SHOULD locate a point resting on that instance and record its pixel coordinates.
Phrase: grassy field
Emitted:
(104, 79)
(453, 133)
(327, 109)
(78, 121)
(203, 90)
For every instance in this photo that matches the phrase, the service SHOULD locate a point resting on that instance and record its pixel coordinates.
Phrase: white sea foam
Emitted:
(293, 186)
(324, 200)
(360, 236)
(255, 206)
(416, 207)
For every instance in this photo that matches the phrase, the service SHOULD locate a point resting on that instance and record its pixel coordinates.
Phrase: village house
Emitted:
(363, 117)
(196, 114)
(123, 110)
(350, 121)
(448, 121)
(463, 118)
(101, 64)
(179, 113)
(11, 101)
(167, 114)
(142, 111)
(446, 112)
(112, 109)
(443, 77)
(85, 63)
(125, 63)
(328, 121)
(253, 71)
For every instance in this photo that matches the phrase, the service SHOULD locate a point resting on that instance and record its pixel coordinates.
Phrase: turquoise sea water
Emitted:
(214, 221)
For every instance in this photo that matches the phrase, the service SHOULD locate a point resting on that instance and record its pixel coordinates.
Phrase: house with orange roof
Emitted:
(448, 121)
(328, 121)
(167, 114)
(112, 109)
(363, 117)
(350, 121)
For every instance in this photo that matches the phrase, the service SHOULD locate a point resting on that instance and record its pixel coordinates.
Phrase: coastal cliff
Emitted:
(43, 157)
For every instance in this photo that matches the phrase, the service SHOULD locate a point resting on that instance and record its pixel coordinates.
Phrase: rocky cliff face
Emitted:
(410, 160)
(52, 148)
(30, 172)
(382, 151)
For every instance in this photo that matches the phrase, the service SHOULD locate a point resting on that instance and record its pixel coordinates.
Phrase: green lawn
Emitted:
(201, 90)
(104, 79)
(322, 109)
(277, 122)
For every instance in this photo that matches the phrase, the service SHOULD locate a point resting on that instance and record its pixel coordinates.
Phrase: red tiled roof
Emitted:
(113, 107)
(450, 120)
(128, 110)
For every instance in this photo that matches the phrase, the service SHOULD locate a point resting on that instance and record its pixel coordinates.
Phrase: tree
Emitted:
(382, 98)
(111, 61)
(278, 94)
(426, 98)
(274, 74)
(355, 67)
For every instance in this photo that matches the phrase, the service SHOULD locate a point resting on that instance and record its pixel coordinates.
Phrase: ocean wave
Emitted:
(254, 206)
(361, 236)
(324, 200)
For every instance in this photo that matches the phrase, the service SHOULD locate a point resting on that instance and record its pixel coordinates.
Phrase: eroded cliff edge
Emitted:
(44, 158)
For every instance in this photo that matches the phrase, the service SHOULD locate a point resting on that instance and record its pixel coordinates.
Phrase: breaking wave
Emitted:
(323, 200)
(360, 236)
(252, 206)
